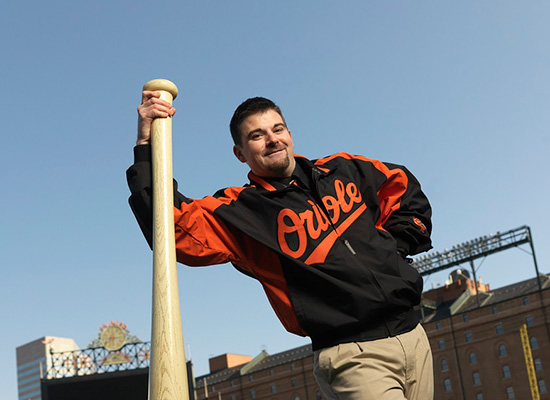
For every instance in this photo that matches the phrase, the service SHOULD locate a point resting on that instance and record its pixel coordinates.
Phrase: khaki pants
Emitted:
(394, 368)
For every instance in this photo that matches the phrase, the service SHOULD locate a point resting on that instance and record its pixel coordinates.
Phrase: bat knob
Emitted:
(162, 84)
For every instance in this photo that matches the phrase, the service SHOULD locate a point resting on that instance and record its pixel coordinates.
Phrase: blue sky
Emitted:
(457, 91)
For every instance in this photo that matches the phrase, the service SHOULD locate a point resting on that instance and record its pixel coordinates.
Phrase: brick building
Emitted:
(285, 375)
(475, 338)
(473, 332)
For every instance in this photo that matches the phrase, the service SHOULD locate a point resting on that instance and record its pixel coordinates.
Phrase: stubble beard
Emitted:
(280, 166)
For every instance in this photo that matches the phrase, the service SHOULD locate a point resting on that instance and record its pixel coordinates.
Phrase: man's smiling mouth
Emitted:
(275, 151)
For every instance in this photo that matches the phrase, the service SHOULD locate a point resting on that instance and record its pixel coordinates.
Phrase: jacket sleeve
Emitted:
(201, 237)
(405, 211)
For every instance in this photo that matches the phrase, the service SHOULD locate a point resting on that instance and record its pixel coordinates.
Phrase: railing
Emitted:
(469, 251)
(97, 360)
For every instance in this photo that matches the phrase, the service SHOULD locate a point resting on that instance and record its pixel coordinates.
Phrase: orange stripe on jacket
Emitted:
(266, 185)
(391, 191)
(202, 238)
(320, 253)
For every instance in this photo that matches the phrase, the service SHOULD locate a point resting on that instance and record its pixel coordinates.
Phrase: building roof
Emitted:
(261, 362)
(504, 293)
(284, 357)
(468, 301)
(219, 376)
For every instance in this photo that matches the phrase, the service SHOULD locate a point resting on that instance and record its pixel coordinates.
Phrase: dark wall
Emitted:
(129, 385)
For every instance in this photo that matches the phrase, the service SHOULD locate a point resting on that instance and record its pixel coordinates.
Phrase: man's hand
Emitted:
(151, 107)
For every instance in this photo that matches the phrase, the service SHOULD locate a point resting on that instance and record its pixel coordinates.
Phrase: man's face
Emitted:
(266, 145)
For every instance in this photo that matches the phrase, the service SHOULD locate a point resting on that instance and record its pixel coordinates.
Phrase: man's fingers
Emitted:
(151, 107)
(157, 101)
(150, 113)
(151, 110)
(147, 94)
(149, 97)
(160, 113)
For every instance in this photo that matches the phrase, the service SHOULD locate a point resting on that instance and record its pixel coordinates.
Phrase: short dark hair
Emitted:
(247, 108)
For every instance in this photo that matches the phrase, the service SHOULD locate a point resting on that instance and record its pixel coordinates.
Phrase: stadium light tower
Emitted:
(471, 250)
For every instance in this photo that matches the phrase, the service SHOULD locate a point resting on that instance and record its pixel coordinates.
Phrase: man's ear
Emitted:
(239, 154)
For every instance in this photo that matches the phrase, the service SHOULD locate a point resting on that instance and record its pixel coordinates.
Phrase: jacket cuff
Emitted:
(142, 153)
(403, 247)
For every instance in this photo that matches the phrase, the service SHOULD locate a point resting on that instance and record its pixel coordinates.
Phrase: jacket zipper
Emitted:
(348, 245)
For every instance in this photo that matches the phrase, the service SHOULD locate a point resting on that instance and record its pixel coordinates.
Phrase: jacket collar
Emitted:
(303, 173)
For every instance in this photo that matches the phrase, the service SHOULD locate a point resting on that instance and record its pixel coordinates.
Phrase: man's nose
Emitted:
(271, 138)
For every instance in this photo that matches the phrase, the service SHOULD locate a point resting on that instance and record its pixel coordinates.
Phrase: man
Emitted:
(328, 240)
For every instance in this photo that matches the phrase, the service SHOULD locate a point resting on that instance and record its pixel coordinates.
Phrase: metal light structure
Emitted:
(471, 250)
(474, 249)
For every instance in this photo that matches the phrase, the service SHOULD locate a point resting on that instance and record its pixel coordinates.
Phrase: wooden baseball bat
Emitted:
(167, 368)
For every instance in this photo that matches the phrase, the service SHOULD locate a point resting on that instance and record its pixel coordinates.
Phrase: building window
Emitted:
(479, 396)
(495, 309)
(538, 364)
(499, 329)
(232, 383)
(510, 392)
(441, 344)
(502, 351)
(232, 397)
(292, 366)
(525, 301)
(476, 379)
(296, 397)
(271, 372)
(318, 396)
(473, 357)
(469, 337)
(465, 318)
(448, 387)
(438, 325)
(529, 321)
(252, 394)
(534, 343)
(250, 378)
(444, 365)
(506, 372)
(294, 382)
(542, 387)
(273, 388)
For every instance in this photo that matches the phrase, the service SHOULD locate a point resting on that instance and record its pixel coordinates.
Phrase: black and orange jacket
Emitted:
(327, 245)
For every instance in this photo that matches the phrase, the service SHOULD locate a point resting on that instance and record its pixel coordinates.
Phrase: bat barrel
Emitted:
(167, 368)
